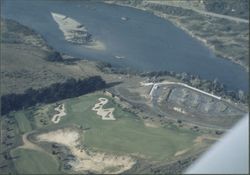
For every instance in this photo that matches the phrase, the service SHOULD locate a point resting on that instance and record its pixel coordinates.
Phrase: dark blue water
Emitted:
(148, 43)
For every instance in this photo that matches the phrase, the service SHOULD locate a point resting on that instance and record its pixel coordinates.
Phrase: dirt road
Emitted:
(203, 12)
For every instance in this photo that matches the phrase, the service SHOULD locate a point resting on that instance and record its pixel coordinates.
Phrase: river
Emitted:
(147, 42)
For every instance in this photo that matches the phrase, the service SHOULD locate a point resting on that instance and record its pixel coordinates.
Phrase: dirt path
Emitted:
(29, 145)
(203, 12)
(181, 152)
(200, 139)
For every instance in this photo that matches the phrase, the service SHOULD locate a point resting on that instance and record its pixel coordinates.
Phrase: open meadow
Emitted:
(85, 133)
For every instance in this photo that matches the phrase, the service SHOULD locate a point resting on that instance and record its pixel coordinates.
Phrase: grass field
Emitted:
(34, 162)
(127, 134)
(23, 123)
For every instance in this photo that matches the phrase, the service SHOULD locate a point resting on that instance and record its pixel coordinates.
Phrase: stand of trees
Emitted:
(54, 56)
(58, 91)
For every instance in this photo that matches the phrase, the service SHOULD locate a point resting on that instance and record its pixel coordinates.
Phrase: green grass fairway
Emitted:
(23, 123)
(127, 134)
(34, 162)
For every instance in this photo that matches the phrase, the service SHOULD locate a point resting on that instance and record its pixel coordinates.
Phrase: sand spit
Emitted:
(75, 32)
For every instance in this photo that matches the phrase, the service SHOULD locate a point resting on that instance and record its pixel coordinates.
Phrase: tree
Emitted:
(54, 56)
(184, 77)
(241, 96)
(55, 92)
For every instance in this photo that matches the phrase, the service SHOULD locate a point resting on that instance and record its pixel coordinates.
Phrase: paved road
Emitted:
(156, 85)
(222, 16)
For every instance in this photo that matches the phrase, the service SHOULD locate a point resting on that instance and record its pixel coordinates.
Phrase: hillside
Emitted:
(27, 62)
(237, 8)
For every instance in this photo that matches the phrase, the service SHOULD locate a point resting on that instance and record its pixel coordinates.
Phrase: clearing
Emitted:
(127, 135)
(32, 162)
(23, 123)
(97, 145)
(87, 161)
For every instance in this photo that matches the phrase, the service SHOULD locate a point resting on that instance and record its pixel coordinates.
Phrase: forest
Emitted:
(57, 91)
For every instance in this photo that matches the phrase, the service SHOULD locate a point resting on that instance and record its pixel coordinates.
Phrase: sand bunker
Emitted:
(179, 110)
(150, 124)
(60, 113)
(178, 153)
(201, 139)
(75, 32)
(106, 114)
(87, 161)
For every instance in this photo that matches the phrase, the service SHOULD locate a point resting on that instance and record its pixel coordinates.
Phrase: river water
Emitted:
(147, 42)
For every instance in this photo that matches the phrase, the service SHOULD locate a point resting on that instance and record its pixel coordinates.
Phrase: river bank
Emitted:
(209, 42)
(157, 46)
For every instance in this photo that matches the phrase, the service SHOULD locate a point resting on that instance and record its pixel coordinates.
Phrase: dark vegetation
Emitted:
(11, 28)
(108, 68)
(171, 10)
(54, 56)
(237, 8)
(15, 33)
(104, 66)
(176, 167)
(58, 91)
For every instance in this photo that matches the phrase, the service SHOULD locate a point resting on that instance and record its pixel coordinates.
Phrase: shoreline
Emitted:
(190, 33)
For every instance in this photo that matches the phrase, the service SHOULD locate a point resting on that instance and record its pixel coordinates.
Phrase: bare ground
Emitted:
(87, 161)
